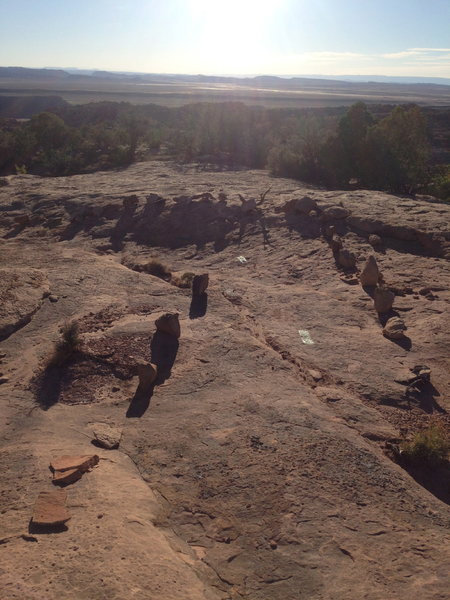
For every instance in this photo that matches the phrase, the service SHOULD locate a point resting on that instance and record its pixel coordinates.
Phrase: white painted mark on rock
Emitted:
(306, 338)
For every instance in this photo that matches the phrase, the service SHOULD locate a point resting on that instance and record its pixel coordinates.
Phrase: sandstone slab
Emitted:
(50, 509)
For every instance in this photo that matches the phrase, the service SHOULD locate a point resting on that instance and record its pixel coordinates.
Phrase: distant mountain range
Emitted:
(260, 80)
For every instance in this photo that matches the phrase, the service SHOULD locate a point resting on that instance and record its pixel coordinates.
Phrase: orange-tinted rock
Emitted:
(65, 463)
(66, 477)
(50, 509)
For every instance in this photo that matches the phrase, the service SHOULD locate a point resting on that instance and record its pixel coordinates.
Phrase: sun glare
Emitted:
(231, 34)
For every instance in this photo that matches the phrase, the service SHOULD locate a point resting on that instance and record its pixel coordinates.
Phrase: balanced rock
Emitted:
(394, 329)
(383, 299)
(200, 284)
(147, 373)
(370, 274)
(169, 323)
(50, 509)
(346, 259)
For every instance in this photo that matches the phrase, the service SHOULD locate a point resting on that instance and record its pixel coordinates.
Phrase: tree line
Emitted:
(388, 148)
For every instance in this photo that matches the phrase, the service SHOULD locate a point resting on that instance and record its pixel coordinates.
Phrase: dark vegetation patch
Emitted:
(394, 148)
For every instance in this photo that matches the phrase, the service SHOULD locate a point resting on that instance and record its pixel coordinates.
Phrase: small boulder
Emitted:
(383, 299)
(50, 509)
(375, 241)
(394, 329)
(107, 436)
(305, 205)
(334, 213)
(346, 259)
(200, 284)
(370, 274)
(169, 323)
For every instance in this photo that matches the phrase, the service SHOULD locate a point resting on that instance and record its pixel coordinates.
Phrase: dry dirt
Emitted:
(259, 467)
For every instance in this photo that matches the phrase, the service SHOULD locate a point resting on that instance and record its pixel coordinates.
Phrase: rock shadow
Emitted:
(199, 306)
(34, 528)
(14, 232)
(140, 403)
(71, 231)
(163, 351)
(49, 387)
(425, 397)
(434, 478)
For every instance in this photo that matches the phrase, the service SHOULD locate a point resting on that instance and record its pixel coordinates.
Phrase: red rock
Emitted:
(65, 463)
(50, 509)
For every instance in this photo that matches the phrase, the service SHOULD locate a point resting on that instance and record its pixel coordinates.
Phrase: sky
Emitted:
(281, 37)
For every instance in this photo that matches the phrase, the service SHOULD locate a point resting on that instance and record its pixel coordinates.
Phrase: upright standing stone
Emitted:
(383, 299)
(200, 284)
(169, 323)
(370, 274)
(147, 373)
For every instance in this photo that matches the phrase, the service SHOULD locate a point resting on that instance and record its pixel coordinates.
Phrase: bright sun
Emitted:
(231, 33)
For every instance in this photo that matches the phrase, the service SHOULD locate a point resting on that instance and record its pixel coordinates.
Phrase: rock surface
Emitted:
(243, 475)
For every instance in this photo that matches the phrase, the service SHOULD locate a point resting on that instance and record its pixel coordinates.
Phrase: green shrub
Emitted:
(430, 446)
(66, 346)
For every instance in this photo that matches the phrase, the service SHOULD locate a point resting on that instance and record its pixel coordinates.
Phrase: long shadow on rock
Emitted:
(164, 350)
(71, 231)
(33, 528)
(140, 403)
(425, 396)
(435, 479)
(49, 387)
(199, 306)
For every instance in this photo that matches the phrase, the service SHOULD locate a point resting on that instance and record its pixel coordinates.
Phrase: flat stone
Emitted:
(65, 463)
(50, 509)
(67, 477)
